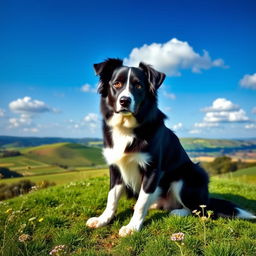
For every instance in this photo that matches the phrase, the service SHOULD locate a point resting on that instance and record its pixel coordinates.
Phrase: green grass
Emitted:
(69, 154)
(19, 161)
(247, 175)
(63, 211)
(63, 177)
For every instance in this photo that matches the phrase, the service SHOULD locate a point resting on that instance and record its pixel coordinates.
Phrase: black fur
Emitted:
(169, 161)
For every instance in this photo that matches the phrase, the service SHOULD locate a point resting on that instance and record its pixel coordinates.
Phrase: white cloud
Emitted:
(226, 116)
(28, 106)
(171, 57)
(23, 120)
(254, 110)
(168, 95)
(91, 117)
(2, 113)
(223, 110)
(31, 130)
(249, 81)
(221, 104)
(88, 88)
(177, 126)
(204, 124)
(195, 131)
(250, 126)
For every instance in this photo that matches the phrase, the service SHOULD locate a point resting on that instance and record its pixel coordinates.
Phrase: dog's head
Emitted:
(127, 90)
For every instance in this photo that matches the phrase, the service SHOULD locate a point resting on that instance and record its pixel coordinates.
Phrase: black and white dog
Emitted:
(144, 156)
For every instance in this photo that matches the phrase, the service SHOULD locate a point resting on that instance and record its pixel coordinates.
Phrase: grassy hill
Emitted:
(247, 175)
(69, 154)
(53, 158)
(14, 142)
(57, 216)
(202, 144)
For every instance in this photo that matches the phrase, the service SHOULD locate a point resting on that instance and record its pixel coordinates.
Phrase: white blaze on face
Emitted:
(126, 93)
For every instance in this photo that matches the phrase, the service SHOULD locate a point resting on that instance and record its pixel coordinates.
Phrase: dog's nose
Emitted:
(125, 101)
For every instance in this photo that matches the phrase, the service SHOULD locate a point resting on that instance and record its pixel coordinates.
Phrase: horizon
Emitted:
(206, 49)
(101, 138)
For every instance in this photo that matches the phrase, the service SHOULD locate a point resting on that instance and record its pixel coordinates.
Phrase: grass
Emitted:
(69, 154)
(18, 162)
(247, 175)
(57, 216)
(61, 178)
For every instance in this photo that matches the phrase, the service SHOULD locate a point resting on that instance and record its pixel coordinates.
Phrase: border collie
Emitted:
(145, 158)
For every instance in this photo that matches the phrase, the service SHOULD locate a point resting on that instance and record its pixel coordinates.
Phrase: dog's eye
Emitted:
(138, 86)
(117, 84)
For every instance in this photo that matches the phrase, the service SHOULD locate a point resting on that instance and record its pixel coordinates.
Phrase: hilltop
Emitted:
(17, 142)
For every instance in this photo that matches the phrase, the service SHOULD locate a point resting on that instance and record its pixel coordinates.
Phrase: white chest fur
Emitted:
(128, 163)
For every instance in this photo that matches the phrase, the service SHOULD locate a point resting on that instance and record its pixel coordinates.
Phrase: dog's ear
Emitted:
(105, 70)
(155, 78)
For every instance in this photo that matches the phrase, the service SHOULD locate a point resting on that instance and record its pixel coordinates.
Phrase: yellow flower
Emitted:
(41, 219)
(9, 211)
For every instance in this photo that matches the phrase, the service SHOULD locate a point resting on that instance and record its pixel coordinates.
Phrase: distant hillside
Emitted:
(197, 146)
(190, 144)
(69, 154)
(12, 141)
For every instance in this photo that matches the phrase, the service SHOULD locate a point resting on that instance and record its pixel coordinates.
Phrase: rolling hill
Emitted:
(53, 158)
(190, 144)
(69, 154)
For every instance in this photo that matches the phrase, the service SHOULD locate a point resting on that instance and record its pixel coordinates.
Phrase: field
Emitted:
(54, 158)
(63, 177)
(57, 216)
(247, 175)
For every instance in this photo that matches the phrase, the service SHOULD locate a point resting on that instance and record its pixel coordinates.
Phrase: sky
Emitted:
(207, 49)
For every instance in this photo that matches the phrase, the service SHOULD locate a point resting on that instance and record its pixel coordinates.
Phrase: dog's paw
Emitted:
(95, 222)
(127, 230)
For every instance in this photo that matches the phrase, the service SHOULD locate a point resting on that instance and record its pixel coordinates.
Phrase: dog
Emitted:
(145, 158)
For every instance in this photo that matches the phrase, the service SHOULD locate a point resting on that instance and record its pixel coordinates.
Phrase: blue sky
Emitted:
(207, 49)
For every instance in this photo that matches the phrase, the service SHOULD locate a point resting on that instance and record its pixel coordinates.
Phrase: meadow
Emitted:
(53, 220)
(36, 223)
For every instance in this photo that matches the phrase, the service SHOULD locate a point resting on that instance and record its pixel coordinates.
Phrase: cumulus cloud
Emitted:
(171, 57)
(177, 126)
(2, 113)
(225, 116)
(221, 104)
(195, 131)
(31, 130)
(205, 124)
(28, 106)
(248, 81)
(91, 117)
(88, 88)
(250, 126)
(23, 120)
(168, 95)
(223, 110)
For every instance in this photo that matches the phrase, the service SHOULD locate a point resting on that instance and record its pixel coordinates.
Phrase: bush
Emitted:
(10, 153)
(6, 173)
(224, 164)
(19, 188)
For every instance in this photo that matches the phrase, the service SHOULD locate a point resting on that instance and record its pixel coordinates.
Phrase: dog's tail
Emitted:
(223, 208)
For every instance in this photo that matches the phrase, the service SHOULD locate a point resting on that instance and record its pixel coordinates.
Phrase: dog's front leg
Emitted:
(114, 194)
(140, 210)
